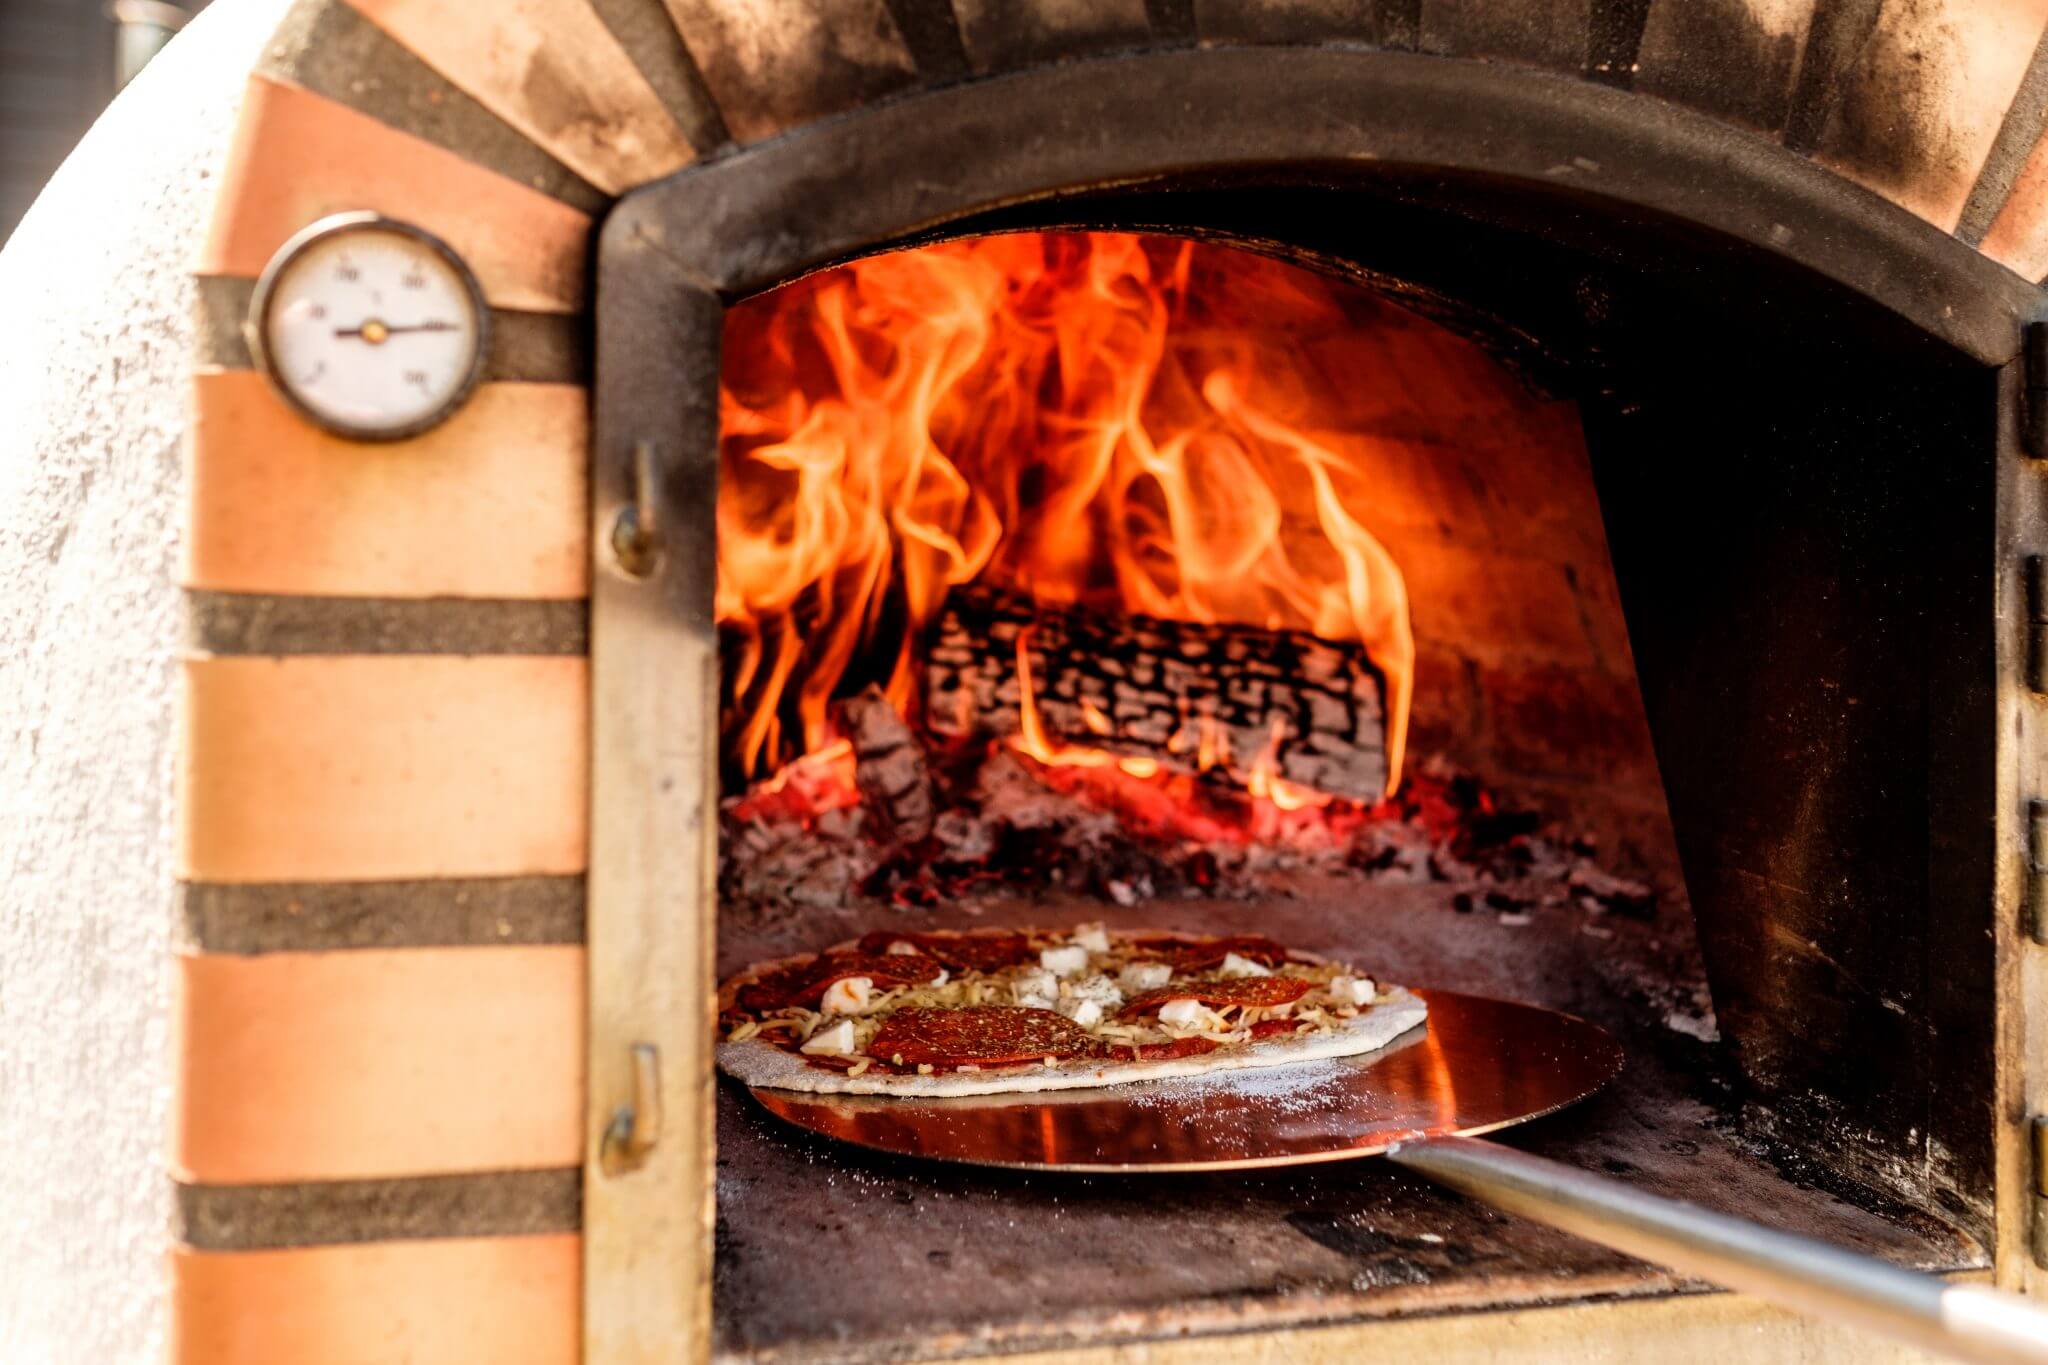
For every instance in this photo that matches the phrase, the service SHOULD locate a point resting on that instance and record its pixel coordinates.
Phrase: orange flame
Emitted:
(1083, 416)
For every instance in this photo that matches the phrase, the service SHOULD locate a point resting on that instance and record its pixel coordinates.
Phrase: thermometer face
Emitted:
(370, 327)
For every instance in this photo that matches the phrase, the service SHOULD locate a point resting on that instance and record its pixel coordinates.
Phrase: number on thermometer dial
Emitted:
(371, 327)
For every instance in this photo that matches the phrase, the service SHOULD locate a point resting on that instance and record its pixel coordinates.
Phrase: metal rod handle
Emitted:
(1969, 1322)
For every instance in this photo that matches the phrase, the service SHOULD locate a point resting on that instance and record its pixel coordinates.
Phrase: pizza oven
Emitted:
(1431, 567)
(1541, 504)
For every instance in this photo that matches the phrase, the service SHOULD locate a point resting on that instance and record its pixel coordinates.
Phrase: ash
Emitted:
(907, 823)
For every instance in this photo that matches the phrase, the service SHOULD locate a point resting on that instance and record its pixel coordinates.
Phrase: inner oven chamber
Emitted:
(1702, 546)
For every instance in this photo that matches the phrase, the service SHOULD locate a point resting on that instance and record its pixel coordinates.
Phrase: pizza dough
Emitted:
(1110, 1008)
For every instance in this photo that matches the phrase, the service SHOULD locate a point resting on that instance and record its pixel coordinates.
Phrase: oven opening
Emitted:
(1071, 576)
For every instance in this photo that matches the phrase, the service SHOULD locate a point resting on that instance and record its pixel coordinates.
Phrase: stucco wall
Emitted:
(95, 361)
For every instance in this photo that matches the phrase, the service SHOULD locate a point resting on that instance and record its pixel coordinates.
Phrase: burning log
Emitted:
(1225, 700)
(888, 767)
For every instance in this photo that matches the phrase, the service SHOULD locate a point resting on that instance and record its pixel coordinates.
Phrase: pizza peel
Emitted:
(1477, 1066)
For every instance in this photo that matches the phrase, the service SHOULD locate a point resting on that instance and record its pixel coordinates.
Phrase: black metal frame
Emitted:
(832, 190)
(1479, 170)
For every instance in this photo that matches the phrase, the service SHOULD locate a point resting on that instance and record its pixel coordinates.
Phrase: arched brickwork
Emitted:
(385, 754)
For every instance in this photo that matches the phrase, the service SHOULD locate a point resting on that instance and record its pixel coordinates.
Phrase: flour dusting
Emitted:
(1298, 1089)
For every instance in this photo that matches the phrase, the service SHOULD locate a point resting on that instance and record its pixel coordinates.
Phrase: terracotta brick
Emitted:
(1919, 111)
(493, 503)
(1409, 380)
(1491, 607)
(352, 1065)
(1536, 484)
(772, 67)
(506, 1300)
(322, 768)
(1444, 714)
(1600, 608)
(1005, 34)
(551, 69)
(2018, 236)
(1566, 723)
(1690, 54)
(297, 157)
(1409, 487)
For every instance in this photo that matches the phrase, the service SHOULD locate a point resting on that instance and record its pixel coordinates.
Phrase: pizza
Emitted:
(991, 1011)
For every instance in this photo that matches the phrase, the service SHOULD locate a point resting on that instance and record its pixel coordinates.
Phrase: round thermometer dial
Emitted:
(371, 327)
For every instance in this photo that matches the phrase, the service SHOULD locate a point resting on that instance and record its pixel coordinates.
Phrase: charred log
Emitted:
(1191, 697)
(888, 767)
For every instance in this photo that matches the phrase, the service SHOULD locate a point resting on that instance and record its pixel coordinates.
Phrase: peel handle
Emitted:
(1967, 1322)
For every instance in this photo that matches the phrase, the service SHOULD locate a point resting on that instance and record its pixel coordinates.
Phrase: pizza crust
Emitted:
(766, 1066)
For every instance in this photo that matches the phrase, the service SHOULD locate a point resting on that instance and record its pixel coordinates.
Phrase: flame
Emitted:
(1102, 419)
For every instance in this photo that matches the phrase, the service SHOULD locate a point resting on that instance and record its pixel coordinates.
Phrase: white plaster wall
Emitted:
(95, 298)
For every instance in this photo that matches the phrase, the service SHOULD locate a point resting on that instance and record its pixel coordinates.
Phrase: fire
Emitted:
(1080, 416)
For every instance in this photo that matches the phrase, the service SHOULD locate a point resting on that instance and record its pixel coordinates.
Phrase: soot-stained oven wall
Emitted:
(1808, 571)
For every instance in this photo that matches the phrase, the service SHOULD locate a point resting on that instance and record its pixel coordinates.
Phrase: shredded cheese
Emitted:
(1086, 976)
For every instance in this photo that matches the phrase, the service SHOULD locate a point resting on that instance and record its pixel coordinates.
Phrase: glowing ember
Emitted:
(1075, 416)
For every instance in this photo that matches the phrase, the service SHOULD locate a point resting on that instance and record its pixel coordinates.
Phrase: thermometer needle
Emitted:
(377, 331)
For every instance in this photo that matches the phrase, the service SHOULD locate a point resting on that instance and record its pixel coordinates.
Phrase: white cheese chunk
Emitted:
(1036, 989)
(1086, 1013)
(1067, 961)
(1351, 990)
(1233, 965)
(1092, 937)
(1088, 1001)
(903, 947)
(1144, 976)
(1188, 1014)
(848, 995)
(831, 1039)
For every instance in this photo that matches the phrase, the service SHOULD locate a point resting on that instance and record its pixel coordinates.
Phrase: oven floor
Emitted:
(830, 1252)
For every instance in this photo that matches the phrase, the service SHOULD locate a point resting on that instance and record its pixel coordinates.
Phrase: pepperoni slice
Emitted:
(806, 983)
(1209, 952)
(1262, 992)
(961, 952)
(980, 1035)
(1266, 1028)
(1164, 1052)
(772, 991)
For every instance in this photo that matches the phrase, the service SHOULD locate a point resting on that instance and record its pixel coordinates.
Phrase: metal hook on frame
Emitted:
(636, 534)
(635, 1127)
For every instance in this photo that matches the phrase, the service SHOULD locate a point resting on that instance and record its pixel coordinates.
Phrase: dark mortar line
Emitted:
(326, 47)
(931, 30)
(525, 347)
(1614, 38)
(271, 625)
(300, 917)
(338, 1212)
(656, 48)
(1839, 31)
(2018, 133)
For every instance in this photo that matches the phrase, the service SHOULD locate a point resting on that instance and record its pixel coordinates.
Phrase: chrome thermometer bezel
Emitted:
(256, 327)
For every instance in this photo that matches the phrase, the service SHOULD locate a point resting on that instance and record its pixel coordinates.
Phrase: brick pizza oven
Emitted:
(1684, 345)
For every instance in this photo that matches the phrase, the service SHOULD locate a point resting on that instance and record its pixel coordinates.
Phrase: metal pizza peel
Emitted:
(1478, 1065)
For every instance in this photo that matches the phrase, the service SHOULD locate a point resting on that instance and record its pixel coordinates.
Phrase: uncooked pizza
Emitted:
(989, 1011)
